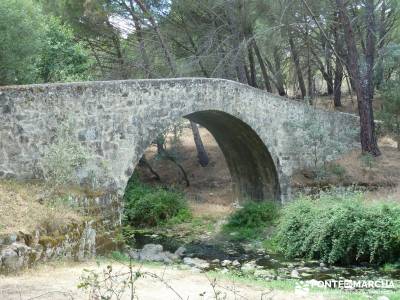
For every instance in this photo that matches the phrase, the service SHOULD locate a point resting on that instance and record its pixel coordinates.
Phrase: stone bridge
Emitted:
(260, 134)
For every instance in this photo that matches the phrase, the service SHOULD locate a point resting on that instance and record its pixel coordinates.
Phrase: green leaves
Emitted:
(147, 206)
(340, 229)
(62, 58)
(37, 48)
(251, 220)
(21, 35)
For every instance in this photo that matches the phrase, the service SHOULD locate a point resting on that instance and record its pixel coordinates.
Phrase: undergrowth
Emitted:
(252, 220)
(147, 206)
(340, 228)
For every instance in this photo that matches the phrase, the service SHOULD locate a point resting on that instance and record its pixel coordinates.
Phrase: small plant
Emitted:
(340, 228)
(119, 256)
(367, 160)
(148, 206)
(64, 156)
(251, 220)
(337, 170)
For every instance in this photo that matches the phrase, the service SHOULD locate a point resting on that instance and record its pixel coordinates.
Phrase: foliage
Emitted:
(62, 58)
(340, 228)
(21, 36)
(37, 48)
(64, 156)
(367, 160)
(148, 206)
(252, 219)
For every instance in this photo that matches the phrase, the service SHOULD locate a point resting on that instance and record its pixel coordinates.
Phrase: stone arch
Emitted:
(252, 168)
(117, 120)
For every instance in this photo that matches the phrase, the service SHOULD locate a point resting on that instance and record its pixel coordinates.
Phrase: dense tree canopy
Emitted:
(301, 49)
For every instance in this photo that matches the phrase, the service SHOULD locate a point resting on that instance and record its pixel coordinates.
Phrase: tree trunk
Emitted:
(238, 59)
(296, 60)
(201, 152)
(382, 32)
(143, 161)
(264, 72)
(398, 142)
(164, 46)
(253, 79)
(337, 84)
(362, 83)
(171, 62)
(278, 73)
(337, 90)
(139, 34)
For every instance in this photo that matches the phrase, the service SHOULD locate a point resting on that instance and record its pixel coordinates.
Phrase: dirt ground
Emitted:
(22, 207)
(209, 185)
(60, 282)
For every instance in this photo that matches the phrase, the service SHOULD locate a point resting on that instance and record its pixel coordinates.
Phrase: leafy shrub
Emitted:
(340, 228)
(251, 220)
(148, 206)
(337, 170)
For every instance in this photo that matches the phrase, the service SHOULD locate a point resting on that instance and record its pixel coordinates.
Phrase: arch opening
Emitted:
(253, 171)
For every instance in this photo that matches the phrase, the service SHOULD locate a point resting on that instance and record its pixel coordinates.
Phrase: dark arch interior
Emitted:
(251, 166)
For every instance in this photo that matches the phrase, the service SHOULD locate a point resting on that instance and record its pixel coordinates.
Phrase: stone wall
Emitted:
(97, 233)
(117, 120)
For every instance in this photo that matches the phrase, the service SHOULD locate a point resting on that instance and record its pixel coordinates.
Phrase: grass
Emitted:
(251, 221)
(25, 206)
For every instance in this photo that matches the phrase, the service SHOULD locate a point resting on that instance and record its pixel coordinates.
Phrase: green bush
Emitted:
(252, 220)
(148, 206)
(340, 228)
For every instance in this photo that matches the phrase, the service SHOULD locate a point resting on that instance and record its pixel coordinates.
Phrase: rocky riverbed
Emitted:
(248, 260)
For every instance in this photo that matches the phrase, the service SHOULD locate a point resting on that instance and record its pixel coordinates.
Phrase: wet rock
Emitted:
(215, 261)
(249, 267)
(134, 254)
(295, 274)
(322, 265)
(226, 263)
(236, 264)
(196, 263)
(180, 251)
(154, 252)
(306, 275)
(264, 274)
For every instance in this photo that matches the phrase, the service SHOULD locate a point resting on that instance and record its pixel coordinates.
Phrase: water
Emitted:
(280, 267)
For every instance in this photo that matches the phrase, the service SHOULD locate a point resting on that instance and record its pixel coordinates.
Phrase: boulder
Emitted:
(249, 267)
(153, 252)
(236, 263)
(295, 274)
(196, 263)
(226, 263)
(180, 251)
(264, 274)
